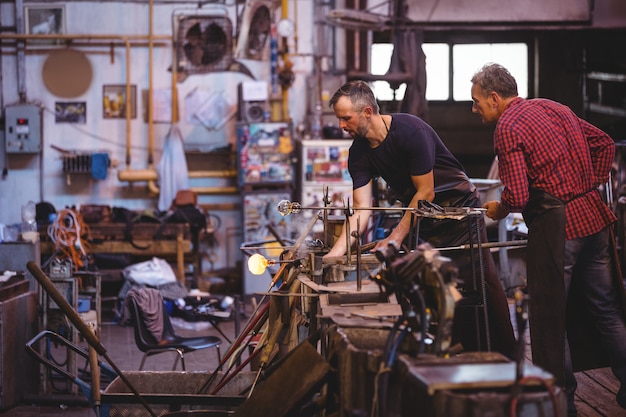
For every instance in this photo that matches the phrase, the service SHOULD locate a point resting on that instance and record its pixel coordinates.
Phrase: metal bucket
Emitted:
(497, 404)
(199, 413)
(359, 352)
(173, 394)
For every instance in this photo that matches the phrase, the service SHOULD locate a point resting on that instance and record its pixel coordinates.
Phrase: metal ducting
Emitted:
(204, 44)
(253, 38)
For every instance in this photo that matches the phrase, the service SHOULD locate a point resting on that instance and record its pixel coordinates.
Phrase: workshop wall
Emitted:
(101, 29)
(76, 118)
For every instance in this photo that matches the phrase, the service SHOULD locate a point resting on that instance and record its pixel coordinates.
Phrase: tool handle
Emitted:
(65, 307)
(95, 375)
(95, 372)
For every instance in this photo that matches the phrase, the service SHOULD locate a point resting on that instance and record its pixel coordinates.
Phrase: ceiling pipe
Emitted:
(68, 37)
(173, 105)
(128, 174)
(151, 184)
(225, 173)
(21, 54)
(127, 44)
(215, 190)
(285, 90)
(149, 175)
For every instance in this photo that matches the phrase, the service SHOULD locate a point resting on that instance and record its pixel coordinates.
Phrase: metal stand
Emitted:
(472, 216)
(71, 286)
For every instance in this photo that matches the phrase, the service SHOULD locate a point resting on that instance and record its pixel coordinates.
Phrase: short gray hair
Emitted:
(359, 93)
(494, 77)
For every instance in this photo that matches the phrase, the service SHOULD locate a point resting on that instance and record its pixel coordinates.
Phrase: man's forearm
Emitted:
(340, 245)
(402, 229)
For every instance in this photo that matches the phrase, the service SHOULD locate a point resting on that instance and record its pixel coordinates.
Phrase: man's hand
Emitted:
(384, 243)
(495, 210)
(335, 252)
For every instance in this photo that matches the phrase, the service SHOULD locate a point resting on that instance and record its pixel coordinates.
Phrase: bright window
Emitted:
(466, 60)
(471, 57)
(381, 59)
(437, 72)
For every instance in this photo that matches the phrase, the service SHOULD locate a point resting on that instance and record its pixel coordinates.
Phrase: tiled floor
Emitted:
(122, 351)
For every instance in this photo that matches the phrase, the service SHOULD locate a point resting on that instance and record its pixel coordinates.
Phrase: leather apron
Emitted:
(545, 216)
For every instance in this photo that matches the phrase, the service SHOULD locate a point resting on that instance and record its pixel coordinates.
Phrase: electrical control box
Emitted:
(22, 129)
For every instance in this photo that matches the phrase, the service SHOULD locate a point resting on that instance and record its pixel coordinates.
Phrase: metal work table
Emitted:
(341, 303)
(472, 216)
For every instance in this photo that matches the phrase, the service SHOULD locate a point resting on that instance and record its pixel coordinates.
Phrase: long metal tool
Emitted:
(83, 328)
(275, 326)
(254, 323)
(487, 245)
(274, 333)
(95, 376)
(357, 235)
(259, 315)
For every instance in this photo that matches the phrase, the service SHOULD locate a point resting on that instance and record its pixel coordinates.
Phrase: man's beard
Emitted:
(360, 133)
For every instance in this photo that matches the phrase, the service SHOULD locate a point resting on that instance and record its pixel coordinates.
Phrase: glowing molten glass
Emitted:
(257, 264)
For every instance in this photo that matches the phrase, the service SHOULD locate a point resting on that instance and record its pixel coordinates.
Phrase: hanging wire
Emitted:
(68, 233)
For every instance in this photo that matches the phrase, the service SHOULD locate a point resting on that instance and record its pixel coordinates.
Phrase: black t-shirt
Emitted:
(412, 147)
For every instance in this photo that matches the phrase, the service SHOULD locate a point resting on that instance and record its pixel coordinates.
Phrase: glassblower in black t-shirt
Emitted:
(408, 154)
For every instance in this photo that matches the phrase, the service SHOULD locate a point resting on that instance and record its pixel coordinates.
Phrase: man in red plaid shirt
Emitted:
(552, 164)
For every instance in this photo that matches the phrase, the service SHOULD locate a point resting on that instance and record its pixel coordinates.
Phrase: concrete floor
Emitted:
(121, 348)
(595, 396)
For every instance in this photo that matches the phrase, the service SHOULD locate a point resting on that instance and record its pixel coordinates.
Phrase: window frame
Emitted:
(460, 38)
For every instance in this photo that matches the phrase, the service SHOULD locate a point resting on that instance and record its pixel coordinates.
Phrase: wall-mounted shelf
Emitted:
(605, 93)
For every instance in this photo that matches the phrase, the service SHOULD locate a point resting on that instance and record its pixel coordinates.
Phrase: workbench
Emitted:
(18, 372)
(170, 241)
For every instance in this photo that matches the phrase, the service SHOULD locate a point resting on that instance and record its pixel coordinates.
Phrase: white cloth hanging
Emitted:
(173, 172)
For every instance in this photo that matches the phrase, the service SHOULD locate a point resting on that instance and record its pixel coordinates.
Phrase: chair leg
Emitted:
(143, 360)
(179, 355)
(182, 360)
(219, 357)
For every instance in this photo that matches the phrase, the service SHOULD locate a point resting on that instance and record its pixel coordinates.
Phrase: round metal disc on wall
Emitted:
(67, 73)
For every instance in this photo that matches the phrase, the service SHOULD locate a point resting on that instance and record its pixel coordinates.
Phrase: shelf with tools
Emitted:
(605, 93)
(170, 241)
(117, 245)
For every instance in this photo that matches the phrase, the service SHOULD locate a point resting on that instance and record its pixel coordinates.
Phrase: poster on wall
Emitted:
(115, 102)
(265, 153)
(48, 19)
(208, 108)
(70, 112)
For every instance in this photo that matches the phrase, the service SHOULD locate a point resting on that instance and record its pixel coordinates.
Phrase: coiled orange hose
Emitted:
(70, 236)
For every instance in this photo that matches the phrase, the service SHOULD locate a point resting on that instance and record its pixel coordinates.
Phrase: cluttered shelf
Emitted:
(113, 246)
(171, 241)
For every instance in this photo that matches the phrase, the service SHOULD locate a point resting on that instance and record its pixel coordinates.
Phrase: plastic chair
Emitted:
(171, 342)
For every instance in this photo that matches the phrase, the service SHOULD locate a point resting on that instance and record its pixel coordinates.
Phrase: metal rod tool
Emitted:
(82, 327)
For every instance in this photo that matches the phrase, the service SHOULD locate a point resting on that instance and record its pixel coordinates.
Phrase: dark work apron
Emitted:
(550, 313)
(545, 216)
